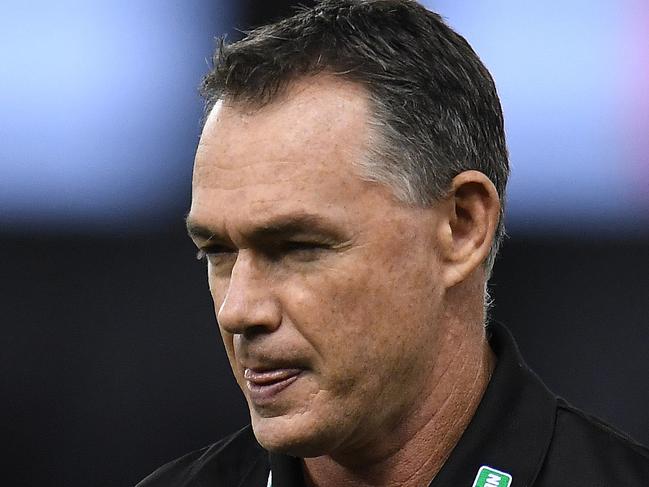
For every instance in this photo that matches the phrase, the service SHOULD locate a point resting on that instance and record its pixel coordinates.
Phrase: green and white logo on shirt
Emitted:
(490, 477)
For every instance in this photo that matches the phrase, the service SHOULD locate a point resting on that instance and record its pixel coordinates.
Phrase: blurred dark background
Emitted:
(111, 361)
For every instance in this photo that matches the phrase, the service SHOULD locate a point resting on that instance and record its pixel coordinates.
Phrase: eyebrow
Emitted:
(283, 226)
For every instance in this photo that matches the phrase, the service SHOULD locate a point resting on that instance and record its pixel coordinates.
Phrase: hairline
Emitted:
(375, 165)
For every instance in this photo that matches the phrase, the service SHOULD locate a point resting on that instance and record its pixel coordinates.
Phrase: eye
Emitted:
(302, 250)
(215, 254)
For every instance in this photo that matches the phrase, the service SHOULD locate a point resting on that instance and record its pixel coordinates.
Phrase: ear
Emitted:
(471, 212)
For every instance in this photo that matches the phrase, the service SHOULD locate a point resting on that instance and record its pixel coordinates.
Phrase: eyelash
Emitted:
(286, 247)
(203, 253)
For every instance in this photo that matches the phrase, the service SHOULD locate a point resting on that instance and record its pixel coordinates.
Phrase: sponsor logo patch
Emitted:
(490, 477)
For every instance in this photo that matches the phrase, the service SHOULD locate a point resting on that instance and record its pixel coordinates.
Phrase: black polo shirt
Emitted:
(521, 435)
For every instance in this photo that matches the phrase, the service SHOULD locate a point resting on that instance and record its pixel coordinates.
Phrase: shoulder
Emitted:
(586, 450)
(227, 460)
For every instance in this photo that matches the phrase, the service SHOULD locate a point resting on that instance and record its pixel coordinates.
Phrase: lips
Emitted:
(265, 384)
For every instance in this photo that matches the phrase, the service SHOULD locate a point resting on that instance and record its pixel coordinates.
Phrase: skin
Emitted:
(381, 310)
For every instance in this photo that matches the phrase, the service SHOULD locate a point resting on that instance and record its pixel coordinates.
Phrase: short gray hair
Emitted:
(435, 107)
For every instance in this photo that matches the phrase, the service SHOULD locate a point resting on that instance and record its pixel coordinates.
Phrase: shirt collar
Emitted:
(513, 425)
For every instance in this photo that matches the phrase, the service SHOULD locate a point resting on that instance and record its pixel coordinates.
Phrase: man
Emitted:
(348, 194)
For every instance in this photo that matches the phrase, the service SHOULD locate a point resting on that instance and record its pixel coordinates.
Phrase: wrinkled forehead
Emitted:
(297, 154)
(306, 141)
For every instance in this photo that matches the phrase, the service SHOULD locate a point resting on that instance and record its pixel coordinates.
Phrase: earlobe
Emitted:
(473, 210)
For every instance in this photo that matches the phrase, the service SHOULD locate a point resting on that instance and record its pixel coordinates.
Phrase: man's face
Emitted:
(325, 287)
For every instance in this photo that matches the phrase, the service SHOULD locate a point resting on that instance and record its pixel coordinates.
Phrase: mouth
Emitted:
(264, 385)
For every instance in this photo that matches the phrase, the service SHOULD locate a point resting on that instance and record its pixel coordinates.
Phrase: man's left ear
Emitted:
(471, 211)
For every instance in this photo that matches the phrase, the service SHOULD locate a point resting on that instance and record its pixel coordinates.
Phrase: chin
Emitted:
(294, 435)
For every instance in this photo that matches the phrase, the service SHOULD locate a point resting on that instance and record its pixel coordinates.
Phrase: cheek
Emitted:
(362, 314)
(228, 344)
(217, 290)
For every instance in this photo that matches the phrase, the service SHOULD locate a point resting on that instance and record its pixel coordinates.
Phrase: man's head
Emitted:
(434, 107)
(345, 193)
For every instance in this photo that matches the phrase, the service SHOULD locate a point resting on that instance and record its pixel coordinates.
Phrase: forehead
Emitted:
(296, 153)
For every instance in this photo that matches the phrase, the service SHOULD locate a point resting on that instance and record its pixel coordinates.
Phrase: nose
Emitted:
(249, 304)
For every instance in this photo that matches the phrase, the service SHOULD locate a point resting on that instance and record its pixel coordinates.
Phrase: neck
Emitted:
(411, 454)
